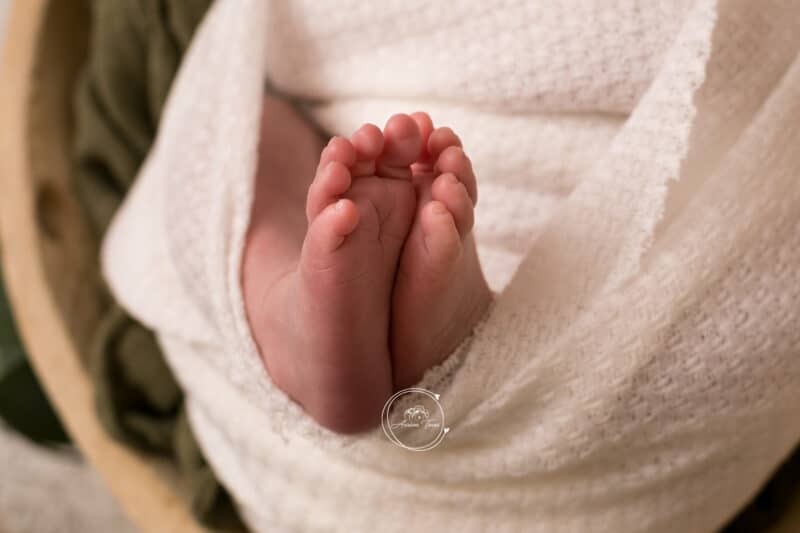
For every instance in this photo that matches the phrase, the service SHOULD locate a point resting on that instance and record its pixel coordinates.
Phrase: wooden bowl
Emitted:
(48, 257)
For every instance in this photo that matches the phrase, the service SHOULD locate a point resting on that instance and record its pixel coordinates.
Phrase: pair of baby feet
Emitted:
(358, 282)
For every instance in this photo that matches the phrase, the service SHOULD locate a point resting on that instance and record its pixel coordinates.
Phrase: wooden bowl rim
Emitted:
(145, 488)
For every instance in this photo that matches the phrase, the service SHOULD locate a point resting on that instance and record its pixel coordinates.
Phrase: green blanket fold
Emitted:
(135, 50)
(23, 404)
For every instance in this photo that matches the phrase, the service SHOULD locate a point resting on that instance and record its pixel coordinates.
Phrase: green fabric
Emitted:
(135, 50)
(137, 397)
(11, 353)
(23, 404)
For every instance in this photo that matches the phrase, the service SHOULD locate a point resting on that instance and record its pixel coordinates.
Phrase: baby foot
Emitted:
(321, 319)
(440, 292)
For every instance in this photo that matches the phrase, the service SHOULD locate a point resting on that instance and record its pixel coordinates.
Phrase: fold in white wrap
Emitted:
(639, 175)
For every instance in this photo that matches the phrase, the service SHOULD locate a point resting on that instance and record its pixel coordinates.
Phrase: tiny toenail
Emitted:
(452, 179)
(340, 205)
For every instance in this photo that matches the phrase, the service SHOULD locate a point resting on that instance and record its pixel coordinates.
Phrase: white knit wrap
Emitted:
(639, 215)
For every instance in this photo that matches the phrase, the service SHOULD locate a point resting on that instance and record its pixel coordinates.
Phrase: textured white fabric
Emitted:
(639, 216)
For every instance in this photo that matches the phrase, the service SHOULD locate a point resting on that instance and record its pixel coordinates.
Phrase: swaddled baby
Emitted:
(360, 269)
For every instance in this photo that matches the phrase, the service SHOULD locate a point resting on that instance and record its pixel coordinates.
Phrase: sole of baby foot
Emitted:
(440, 292)
(327, 344)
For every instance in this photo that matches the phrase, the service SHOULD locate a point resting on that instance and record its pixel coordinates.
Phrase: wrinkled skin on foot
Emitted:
(440, 292)
(352, 270)
(320, 261)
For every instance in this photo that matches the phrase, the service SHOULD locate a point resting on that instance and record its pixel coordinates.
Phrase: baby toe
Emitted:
(441, 239)
(440, 139)
(452, 193)
(425, 125)
(330, 182)
(453, 160)
(338, 149)
(327, 233)
(368, 143)
(402, 147)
